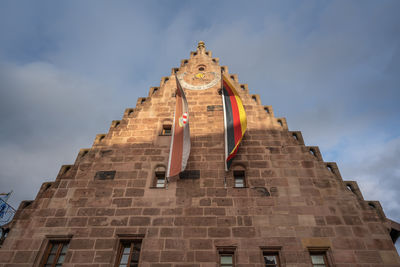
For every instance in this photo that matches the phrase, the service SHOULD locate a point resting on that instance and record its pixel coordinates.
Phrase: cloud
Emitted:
(48, 115)
(376, 168)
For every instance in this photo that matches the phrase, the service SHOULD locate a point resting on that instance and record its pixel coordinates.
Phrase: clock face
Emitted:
(200, 80)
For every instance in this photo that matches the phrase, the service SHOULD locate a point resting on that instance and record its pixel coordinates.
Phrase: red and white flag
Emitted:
(180, 140)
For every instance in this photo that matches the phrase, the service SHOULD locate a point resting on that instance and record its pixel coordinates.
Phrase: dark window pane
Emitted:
(318, 260)
(124, 258)
(65, 248)
(61, 259)
(130, 251)
(270, 259)
(54, 249)
(55, 255)
(51, 258)
(135, 256)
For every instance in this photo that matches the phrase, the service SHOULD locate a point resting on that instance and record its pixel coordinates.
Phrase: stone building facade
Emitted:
(280, 203)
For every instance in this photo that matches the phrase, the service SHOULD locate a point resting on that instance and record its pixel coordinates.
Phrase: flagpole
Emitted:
(225, 127)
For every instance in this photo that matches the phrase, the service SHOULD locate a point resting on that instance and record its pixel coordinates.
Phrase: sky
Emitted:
(331, 68)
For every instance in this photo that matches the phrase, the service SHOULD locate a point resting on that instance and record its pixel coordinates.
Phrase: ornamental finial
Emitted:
(201, 45)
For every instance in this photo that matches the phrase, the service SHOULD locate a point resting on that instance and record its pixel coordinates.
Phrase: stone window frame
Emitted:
(123, 239)
(166, 130)
(166, 127)
(159, 170)
(239, 168)
(275, 251)
(46, 245)
(324, 251)
(226, 250)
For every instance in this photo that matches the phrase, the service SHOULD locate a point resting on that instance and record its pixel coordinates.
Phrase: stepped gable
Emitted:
(279, 202)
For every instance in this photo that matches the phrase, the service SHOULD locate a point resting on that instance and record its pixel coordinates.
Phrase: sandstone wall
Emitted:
(293, 200)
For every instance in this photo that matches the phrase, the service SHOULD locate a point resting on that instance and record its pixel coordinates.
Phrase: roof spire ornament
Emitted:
(201, 46)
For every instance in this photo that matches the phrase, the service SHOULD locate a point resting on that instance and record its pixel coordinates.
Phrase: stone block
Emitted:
(151, 211)
(194, 232)
(153, 244)
(78, 222)
(139, 221)
(315, 242)
(86, 211)
(200, 244)
(214, 211)
(150, 256)
(368, 256)
(103, 256)
(6, 256)
(22, 256)
(103, 192)
(219, 232)
(333, 220)
(82, 256)
(352, 220)
(119, 221)
(101, 232)
(193, 211)
(205, 202)
(104, 244)
(171, 232)
(390, 257)
(223, 201)
(128, 211)
(244, 232)
(176, 244)
(195, 221)
(343, 256)
(134, 192)
(104, 212)
(347, 243)
(56, 222)
(122, 202)
(163, 221)
(80, 243)
(205, 256)
(172, 256)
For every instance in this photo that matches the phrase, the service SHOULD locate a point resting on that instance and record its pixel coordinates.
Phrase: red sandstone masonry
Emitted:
(307, 205)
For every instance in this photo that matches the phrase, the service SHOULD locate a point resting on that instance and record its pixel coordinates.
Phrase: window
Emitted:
(271, 259)
(129, 253)
(226, 256)
(167, 129)
(319, 259)
(226, 260)
(271, 256)
(55, 254)
(239, 177)
(159, 177)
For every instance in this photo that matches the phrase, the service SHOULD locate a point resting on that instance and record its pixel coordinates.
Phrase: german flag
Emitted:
(235, 120)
